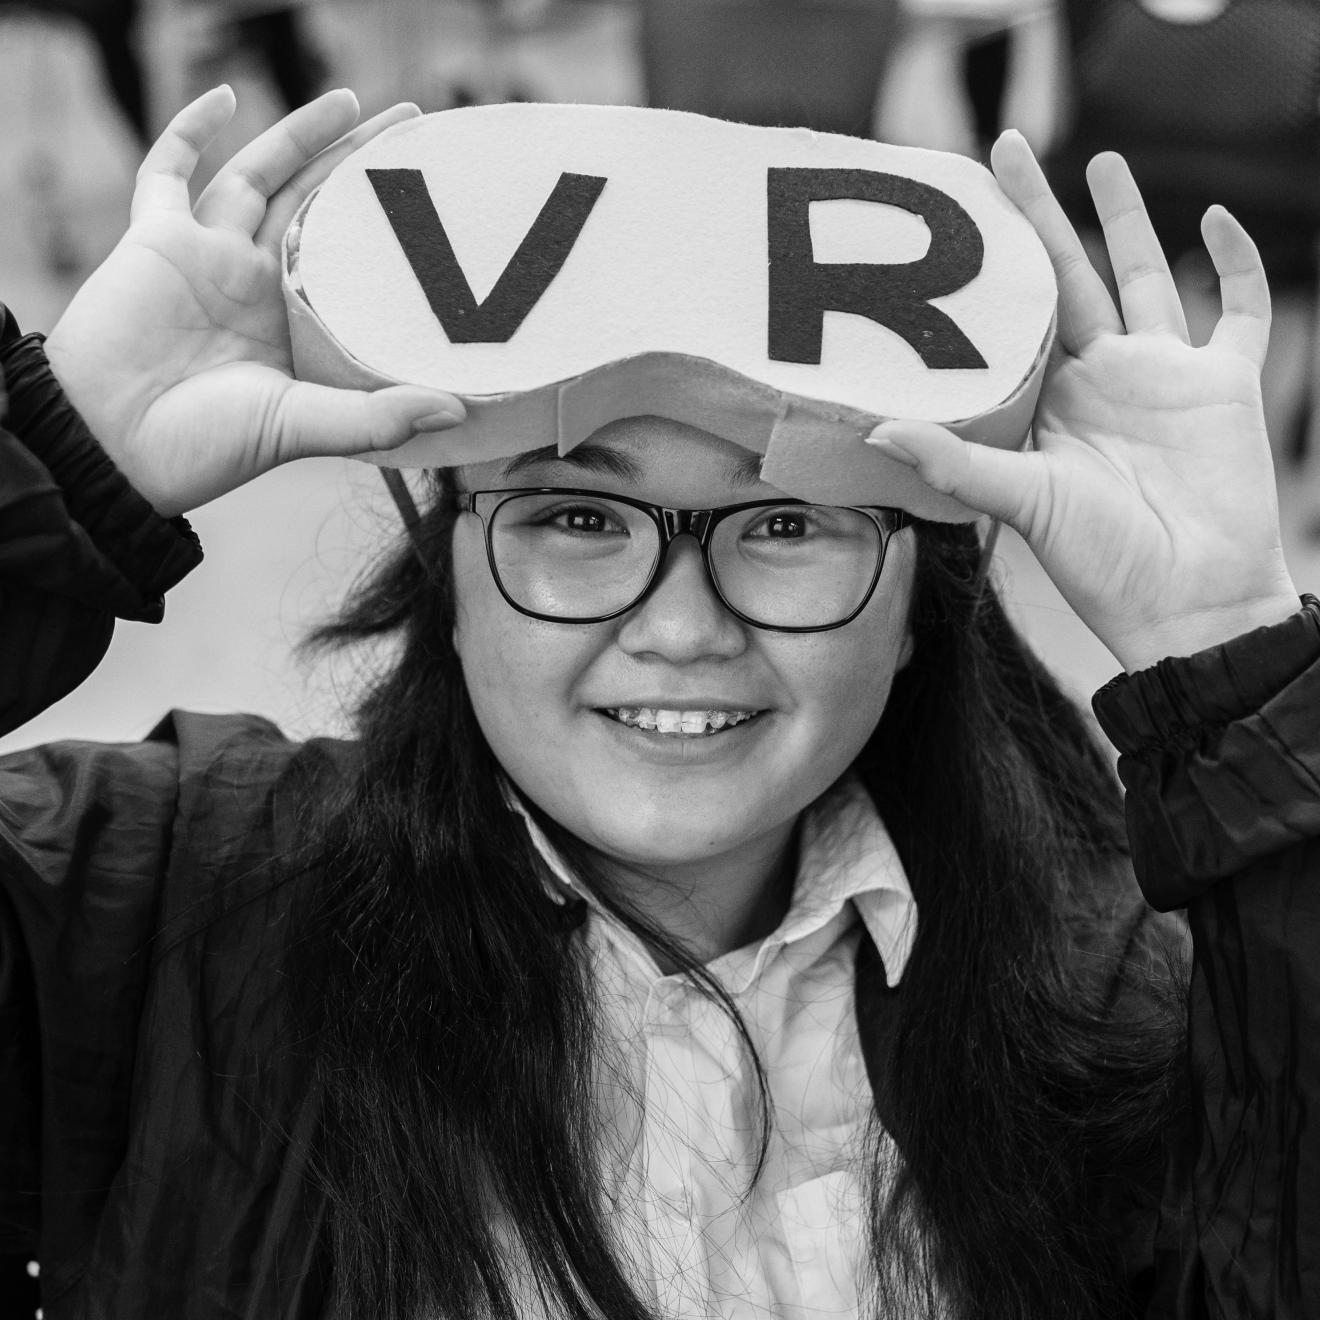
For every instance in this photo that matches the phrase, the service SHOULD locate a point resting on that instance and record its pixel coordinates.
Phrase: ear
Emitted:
(457, 633)
(907, 560)
(906, 649)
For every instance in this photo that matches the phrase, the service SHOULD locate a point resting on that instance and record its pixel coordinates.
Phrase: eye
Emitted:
(786, 526)
(790, 524)
(582, 520)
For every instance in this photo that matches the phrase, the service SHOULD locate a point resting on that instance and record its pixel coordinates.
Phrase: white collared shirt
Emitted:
(679, 1098)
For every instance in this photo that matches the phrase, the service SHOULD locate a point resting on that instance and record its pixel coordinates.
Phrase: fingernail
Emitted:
(891, 448)
(436, 421)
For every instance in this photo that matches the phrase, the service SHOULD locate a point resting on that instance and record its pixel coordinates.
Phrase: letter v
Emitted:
(539, 258)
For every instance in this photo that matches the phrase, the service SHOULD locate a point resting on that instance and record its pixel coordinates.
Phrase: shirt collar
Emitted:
(845, 855)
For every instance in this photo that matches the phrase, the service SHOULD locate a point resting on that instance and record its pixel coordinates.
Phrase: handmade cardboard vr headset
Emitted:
(559, 267)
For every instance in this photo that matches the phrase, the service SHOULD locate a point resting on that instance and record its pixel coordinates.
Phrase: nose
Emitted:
(681, 618)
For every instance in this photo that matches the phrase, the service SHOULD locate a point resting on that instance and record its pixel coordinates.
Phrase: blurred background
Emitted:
(1211, 100)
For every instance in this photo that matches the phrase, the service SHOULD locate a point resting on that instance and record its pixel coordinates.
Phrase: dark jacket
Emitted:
(154, 1121)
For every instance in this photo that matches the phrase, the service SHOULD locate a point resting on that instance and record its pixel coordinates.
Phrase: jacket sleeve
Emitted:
(1220, 756)
(78, 548)
(84, 841)
(147, 1095)
(78, 545)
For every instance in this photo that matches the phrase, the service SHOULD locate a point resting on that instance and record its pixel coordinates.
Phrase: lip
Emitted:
(692, 750)
(685, 703)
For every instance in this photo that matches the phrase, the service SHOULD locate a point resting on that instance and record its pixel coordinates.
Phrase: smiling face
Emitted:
(564, 706)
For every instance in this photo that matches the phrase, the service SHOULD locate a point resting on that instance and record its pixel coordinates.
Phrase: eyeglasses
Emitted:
(580, 556)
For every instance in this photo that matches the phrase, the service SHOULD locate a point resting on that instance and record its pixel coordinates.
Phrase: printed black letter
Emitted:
(897, 296)
(412, 215)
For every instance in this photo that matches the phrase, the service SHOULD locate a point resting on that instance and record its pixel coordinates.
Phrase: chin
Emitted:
(661, 840)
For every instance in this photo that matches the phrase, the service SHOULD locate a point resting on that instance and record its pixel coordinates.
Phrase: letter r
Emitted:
(896, 296)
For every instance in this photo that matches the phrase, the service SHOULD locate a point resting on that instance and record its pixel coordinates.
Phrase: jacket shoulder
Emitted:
(199, 794)
(246, 798)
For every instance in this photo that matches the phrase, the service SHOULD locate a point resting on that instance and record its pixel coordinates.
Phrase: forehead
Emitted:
(666, 461)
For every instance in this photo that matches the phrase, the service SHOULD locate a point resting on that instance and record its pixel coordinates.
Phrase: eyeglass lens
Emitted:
(788, 565)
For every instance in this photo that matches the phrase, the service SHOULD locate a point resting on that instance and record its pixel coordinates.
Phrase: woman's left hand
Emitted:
(1149, 495)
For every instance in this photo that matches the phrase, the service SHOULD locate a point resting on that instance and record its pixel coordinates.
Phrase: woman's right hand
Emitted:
(176, 350)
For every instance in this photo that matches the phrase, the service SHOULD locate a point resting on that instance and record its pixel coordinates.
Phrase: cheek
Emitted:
(861, 658)
(491, 639)
(846, 676)
(520, 672)
(471, 577)
(847, 695)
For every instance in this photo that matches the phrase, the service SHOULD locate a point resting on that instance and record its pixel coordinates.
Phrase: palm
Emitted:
(1149, 445)
(190, 300)
(215, 299)
(200, 360)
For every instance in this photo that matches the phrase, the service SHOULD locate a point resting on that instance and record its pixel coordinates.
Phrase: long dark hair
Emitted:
(450, 1019)
(1034, 1062)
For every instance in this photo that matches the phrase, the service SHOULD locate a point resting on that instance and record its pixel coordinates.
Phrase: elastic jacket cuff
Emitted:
(1220, 755)
(147, 551)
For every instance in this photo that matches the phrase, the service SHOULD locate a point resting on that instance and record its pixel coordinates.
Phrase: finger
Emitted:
(1243, 289)
(284, 205)
(163, 176)
(1085, 308)
(999, 482)
(1146, 290)
(318, 420)
(238, 195)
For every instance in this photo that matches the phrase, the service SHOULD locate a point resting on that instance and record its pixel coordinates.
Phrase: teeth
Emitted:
(689, 722)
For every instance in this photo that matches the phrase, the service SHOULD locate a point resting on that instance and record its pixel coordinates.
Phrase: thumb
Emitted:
(1000, 482)
(312, 421)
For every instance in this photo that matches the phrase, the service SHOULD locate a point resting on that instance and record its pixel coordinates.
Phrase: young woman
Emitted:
(669, 947)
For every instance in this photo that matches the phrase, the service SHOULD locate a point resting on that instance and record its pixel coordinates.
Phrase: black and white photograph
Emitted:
(658, 659)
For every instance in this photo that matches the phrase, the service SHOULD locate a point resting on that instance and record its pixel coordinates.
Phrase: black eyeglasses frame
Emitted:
(671, 523)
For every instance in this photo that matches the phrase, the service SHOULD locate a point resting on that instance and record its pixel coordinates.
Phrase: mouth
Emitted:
(680, 723)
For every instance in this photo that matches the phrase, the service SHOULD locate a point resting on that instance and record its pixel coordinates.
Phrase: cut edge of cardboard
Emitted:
(811, 449)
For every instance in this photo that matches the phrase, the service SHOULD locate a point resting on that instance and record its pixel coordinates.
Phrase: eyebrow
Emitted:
(587, 458)
(744, 470)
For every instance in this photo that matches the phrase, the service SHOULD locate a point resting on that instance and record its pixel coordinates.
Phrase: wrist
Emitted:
(1198, 630)
(1181, 697)
(149, 552)
(88, 383)
(70, 369)
(1229, 731)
